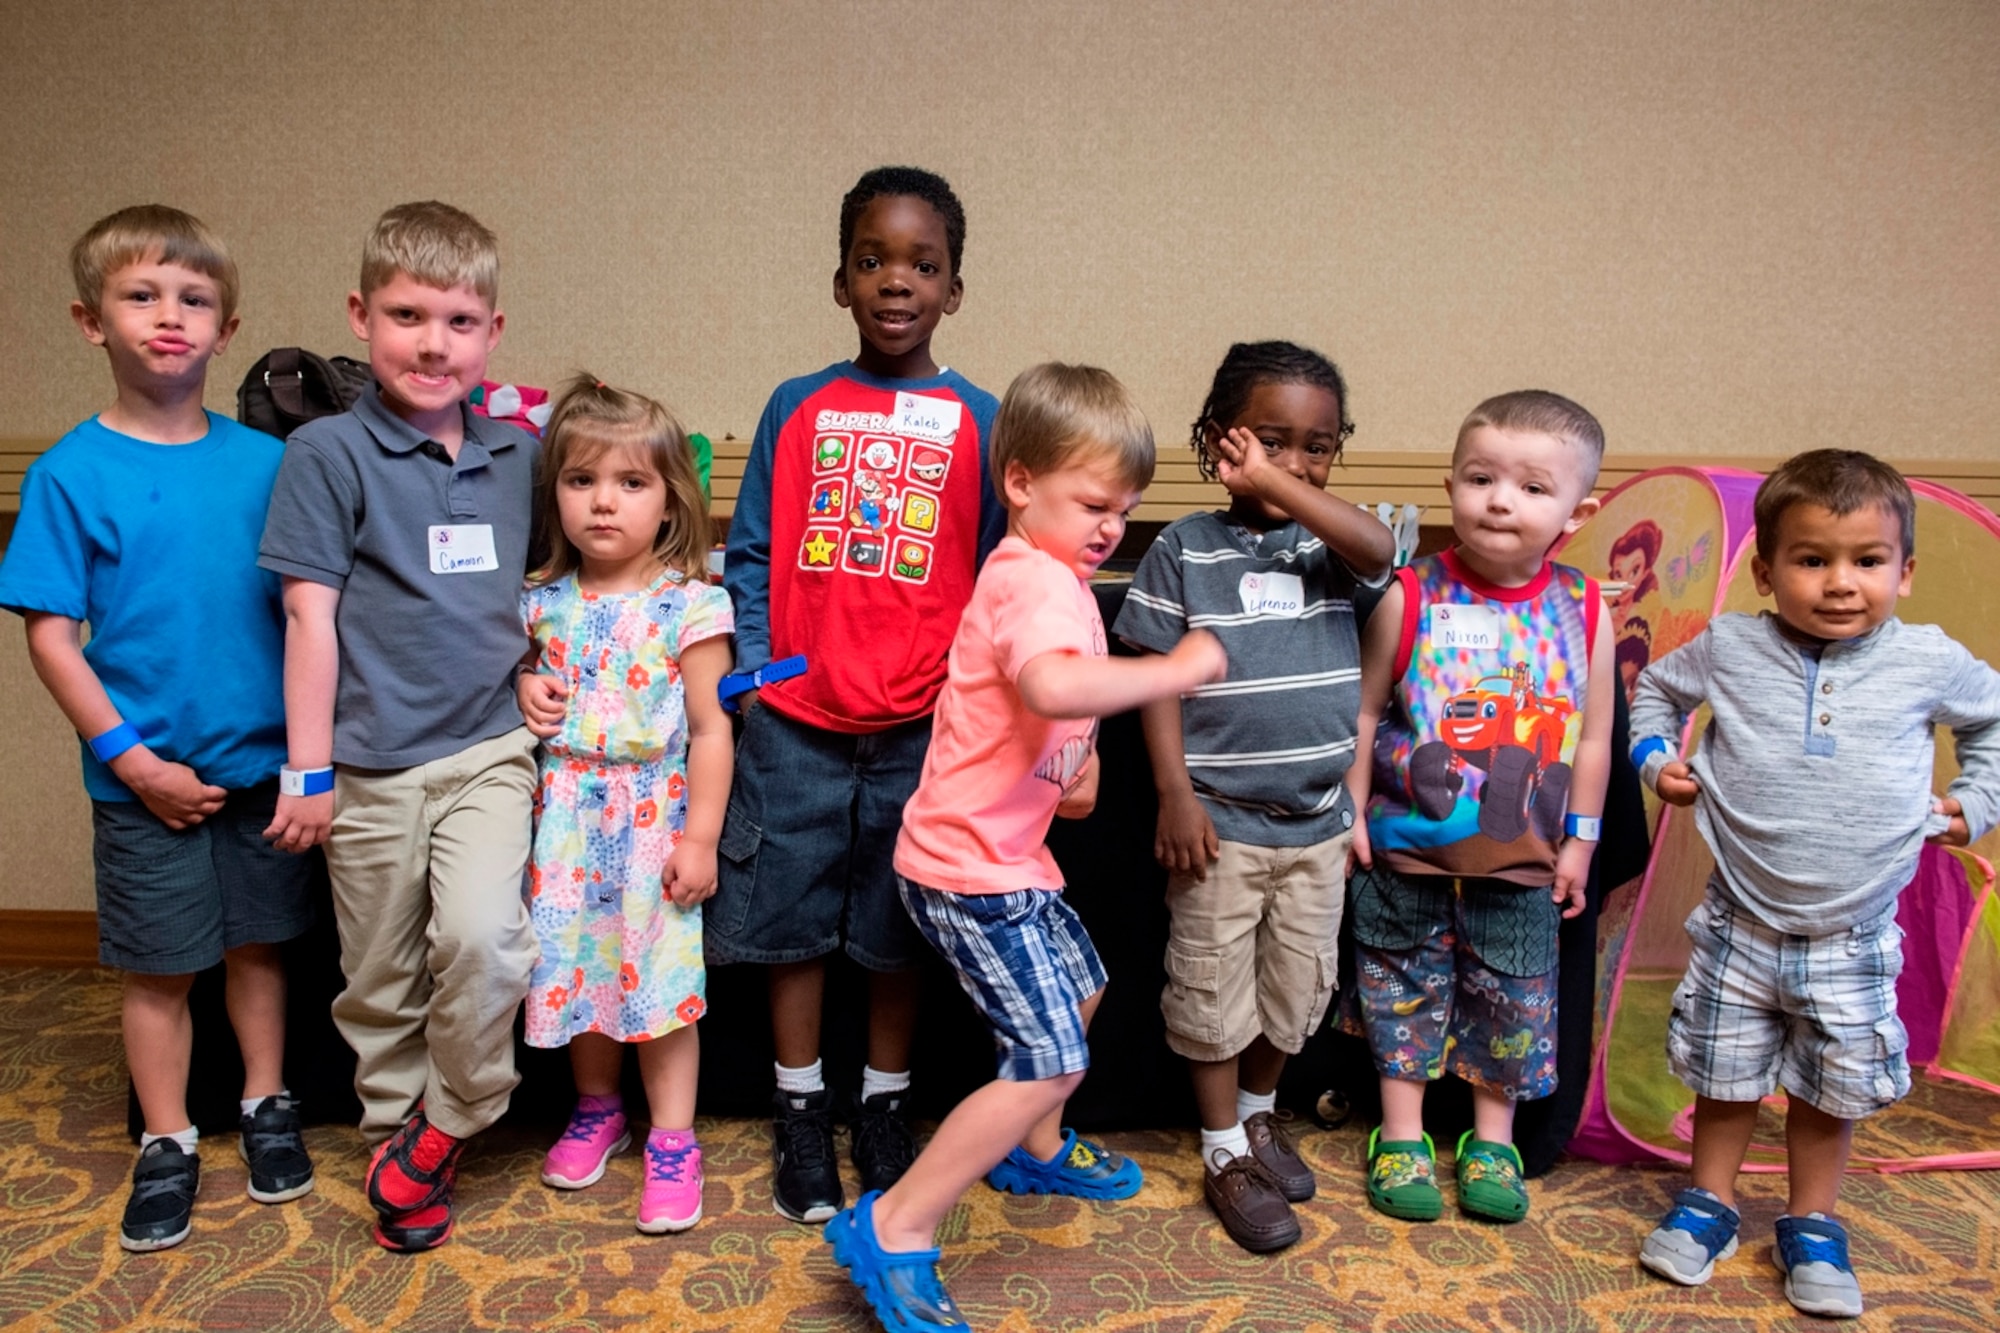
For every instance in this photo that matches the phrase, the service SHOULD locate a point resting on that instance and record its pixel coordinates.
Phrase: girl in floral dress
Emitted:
(630, 643)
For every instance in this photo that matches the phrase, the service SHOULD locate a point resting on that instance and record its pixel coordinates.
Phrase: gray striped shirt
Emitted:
(1815, 765)
(1267, 746)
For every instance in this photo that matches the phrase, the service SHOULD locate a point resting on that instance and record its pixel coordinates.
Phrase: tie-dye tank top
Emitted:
(1473, 752)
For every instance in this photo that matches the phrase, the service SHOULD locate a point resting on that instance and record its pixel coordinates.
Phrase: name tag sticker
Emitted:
(926, 418)
(465, 548)
(1273, 595)
(1471, 627)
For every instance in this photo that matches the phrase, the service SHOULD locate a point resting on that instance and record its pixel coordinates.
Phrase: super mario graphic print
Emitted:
(877, 499)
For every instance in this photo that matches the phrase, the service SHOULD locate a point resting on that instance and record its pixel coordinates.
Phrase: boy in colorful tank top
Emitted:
(1491, 754)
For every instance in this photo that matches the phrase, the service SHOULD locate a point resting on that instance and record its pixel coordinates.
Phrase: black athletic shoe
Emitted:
(805, 1175)
(275, 1150)
(161, 1209)
(883, 1144)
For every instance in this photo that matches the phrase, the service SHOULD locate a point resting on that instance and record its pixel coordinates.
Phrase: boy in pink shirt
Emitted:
(1014, 746)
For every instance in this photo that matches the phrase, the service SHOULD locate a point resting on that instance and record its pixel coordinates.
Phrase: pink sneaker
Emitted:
(672, 1198)
(595, 1135)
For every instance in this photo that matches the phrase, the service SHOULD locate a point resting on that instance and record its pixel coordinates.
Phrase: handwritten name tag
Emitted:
(1282, 595)
(926, 418)
(464, 549)
(1476, 628)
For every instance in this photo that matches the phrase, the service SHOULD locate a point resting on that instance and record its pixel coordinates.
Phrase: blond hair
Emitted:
(589, 420)
(149, 232)
(1544, 413)
(438, 245)
(1056, 416)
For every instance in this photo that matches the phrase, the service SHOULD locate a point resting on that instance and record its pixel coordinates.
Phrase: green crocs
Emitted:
(1490, 1183)
(1402, 1178)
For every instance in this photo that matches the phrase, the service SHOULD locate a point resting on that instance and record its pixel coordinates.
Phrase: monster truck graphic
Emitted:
(1501, 725)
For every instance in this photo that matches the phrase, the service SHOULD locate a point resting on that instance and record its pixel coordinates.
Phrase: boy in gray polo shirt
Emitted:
(1255, 821)
(401, 531)
(1812, 786)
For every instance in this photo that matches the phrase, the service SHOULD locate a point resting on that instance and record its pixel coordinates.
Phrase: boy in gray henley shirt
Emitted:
(1812, 786)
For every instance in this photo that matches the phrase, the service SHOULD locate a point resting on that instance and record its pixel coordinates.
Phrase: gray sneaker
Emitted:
(1695, 1233)
(1812, 1254)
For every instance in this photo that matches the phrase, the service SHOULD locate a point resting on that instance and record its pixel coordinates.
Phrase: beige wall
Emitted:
(1728, 228)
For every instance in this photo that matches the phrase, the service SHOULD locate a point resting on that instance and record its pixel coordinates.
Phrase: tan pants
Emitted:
(427, 865)
(1253, 948)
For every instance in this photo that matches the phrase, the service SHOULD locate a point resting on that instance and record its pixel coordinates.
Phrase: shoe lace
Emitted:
(586, 1121)
(152, 1189)
(431, 1149)
(668, 1161)
(883, 1135)
(805, 1139)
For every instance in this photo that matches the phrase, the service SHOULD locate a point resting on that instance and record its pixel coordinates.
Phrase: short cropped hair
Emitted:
(1545, 413)
(1840, 481)
(149, 232)
(928, 186)
(1056, 415)
(434, 243)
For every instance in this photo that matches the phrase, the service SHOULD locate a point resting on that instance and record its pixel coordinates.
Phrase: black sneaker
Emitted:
(805, 1176)
(275, 1150)
(161, 1209)
(883, 1144)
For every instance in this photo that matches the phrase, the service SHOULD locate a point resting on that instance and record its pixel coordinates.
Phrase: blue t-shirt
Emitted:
(154, 546)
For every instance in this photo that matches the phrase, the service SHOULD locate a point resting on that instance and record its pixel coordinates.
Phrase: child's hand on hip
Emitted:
(1958, 833)
(544, 700)
(689, 875)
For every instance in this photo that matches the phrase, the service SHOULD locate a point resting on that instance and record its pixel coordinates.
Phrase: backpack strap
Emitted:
(285, 381)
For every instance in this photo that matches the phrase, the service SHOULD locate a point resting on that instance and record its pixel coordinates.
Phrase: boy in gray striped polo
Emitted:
(1812, 786)
(1255, 822)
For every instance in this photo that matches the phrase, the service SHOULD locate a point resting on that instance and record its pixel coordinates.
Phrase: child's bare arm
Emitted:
(1360, 539)
(173, 792)
(689, 876)
(1590, 768)
(1061, 684)
(1378, 667)
(1185, 838)
(544, 698)
(312, 677)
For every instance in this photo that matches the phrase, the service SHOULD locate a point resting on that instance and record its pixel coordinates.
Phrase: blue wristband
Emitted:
(1584, 828)
(742, 682)
(1646, 749)
(114, 742)
(305, 781)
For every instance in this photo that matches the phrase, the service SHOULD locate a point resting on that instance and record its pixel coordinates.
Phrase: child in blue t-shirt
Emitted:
(143, 523)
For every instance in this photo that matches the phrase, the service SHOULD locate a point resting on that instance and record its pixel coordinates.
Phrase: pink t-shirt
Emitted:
(995, 771)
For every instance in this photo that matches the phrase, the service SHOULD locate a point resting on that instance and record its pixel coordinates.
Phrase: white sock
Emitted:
(1233, 1139)
(806, 1078)
(189, 1139)
(250, 1104)
(874, 1082)
(1250, 1103)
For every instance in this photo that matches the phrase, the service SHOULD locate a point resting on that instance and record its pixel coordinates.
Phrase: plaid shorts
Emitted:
(1814, 1013)
(1028, 965)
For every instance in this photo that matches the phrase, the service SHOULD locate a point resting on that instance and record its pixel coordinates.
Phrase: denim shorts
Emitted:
(806, 862)
(1815, 1014)
(171, 903)
(1028, 965)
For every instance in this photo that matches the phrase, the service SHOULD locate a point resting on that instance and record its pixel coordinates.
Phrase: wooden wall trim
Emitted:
(48, 939)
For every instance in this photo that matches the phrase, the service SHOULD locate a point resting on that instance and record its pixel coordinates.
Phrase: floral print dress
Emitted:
(617, 956)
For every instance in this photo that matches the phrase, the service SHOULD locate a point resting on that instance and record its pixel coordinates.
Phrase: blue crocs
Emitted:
(902, 1286)
(1699, 1230)
(1812, 1254)
(1082, 1169)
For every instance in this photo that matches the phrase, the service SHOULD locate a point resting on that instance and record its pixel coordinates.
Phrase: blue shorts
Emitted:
(805, 864)
(1813, 1013)
(1028, 965)
(171, 903)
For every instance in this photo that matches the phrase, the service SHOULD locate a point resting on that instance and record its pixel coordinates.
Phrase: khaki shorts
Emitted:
(1252, 949)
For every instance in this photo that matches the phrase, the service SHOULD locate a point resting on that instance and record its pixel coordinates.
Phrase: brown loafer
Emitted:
(1249, 1203)
(1271, 1145)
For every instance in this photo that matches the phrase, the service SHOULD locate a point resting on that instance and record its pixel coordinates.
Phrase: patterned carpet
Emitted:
(1928, 1246)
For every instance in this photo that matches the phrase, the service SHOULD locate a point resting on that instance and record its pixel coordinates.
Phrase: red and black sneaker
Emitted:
(407, 1233)
(414, 1169)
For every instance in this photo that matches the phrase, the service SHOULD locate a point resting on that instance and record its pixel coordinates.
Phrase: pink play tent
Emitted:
(1680, 540)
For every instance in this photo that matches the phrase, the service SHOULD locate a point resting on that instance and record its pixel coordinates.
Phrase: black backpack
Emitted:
(290, 386)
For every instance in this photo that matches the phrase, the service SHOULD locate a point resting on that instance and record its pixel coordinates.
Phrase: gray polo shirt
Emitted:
(429, 621)
(1266, 747)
